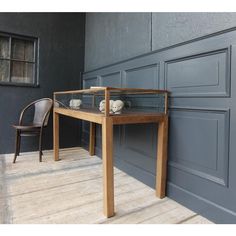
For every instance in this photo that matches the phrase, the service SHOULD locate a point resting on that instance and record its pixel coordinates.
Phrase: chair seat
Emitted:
(27, 127)
(28, 130)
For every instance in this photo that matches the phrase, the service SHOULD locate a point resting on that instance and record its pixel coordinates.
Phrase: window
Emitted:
(18, 60)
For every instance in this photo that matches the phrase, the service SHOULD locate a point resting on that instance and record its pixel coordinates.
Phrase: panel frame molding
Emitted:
(200, 54)
(123, 144)
(156, 81)
(224, 181)
(89, 79)
(100, 77)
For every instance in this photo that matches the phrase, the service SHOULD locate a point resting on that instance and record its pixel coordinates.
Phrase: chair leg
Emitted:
(40, 146)
(16, 146)
(19, 143)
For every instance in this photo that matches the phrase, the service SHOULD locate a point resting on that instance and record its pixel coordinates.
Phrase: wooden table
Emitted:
(107, 123)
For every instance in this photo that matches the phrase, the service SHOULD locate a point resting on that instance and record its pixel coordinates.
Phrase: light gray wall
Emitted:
(112, 37)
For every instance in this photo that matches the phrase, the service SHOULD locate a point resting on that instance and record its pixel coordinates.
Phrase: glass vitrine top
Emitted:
(113, 101)
(101, 90)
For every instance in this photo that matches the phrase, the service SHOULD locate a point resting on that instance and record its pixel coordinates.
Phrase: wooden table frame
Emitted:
(107, 123)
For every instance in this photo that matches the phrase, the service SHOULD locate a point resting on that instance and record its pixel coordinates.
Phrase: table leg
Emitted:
(92, 139)
(107, 159)
(56, 136)
(162, 158)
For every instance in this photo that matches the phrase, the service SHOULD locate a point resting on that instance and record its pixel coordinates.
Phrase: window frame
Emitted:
(35, 61)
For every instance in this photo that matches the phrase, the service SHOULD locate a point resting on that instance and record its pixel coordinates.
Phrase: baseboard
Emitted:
(204, 207)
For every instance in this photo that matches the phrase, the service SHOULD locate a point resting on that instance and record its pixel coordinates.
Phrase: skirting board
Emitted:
(210, 210)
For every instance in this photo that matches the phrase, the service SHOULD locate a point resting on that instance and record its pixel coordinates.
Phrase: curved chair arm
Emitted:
(23, 112)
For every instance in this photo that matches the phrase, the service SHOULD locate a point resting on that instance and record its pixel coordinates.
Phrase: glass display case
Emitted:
(109, 101)
(108, 107)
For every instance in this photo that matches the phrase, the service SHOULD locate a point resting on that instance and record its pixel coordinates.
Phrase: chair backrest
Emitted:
(42, 111)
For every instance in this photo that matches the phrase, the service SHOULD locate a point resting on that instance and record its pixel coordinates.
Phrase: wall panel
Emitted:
(142, 77)
(201, 75)
(88, 82)
(112, 80)
(189, 151)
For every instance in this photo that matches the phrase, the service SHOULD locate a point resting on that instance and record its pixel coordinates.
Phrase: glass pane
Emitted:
(22, 72)
(4, 47)
(22, 49)
(4, 71)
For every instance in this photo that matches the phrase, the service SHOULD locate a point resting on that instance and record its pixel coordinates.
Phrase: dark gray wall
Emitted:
(200, 74)
(172, 28)
(111, 37)
(61, 60)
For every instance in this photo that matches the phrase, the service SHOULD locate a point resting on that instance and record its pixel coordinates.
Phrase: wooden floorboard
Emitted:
(70, 191)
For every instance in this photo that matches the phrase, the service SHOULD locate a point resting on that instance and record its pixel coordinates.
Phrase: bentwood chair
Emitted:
(41, 111)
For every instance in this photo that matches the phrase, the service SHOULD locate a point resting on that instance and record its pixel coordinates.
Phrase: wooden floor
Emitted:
(70, 191)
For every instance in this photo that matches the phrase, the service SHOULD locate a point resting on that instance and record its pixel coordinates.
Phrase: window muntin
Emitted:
(18, 63)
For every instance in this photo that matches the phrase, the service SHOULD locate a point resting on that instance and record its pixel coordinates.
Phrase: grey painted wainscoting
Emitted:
(201, 76)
